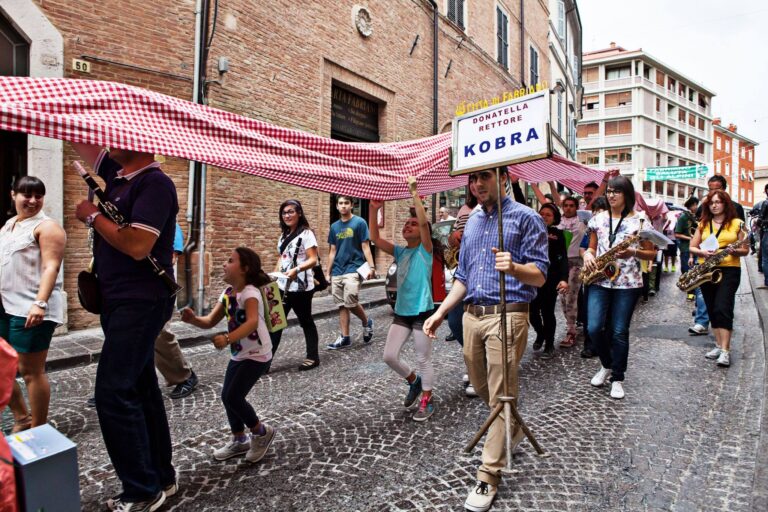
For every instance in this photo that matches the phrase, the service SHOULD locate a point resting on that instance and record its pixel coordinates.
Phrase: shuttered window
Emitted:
(502, 38)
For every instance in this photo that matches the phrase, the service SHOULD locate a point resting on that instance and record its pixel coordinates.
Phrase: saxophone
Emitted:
(606, 262)
(707, 272)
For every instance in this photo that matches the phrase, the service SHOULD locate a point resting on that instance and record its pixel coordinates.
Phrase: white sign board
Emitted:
(507, 133)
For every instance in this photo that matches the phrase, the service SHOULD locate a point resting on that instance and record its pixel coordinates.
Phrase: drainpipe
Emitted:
(434, 89)
(522, 43)
(196, 169)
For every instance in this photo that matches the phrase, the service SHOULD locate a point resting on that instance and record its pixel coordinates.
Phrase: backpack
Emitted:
(438, 278)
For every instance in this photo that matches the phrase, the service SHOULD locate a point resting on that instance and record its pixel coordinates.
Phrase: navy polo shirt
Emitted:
(147, 200)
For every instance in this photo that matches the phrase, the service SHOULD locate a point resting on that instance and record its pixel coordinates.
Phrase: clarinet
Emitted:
(113, 214)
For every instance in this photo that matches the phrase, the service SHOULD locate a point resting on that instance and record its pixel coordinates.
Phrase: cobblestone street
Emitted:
(685, 438)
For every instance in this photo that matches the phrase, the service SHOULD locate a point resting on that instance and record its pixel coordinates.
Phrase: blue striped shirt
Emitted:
(525, 236)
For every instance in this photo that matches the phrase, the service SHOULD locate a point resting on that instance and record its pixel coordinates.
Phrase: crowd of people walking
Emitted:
(584, 251)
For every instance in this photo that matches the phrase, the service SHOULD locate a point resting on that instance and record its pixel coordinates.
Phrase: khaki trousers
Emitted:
(169, 359)
(482, 355)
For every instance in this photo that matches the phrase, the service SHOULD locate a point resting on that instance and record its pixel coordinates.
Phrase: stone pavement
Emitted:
(83, 347)
(686, 437)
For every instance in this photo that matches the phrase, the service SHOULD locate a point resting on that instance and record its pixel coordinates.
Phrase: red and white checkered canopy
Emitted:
(118, 115)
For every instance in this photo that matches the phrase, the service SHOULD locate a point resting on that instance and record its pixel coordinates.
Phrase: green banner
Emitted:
(689, 172)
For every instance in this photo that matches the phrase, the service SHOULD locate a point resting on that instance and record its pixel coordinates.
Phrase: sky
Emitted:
(720, 45)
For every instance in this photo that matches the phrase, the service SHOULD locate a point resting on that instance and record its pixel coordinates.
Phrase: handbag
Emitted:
(89, 292)
(321, 283)
(274, 313)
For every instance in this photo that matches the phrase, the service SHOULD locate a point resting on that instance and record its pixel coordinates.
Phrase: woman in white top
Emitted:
(31, 303)
(297, 249)
(611, 301)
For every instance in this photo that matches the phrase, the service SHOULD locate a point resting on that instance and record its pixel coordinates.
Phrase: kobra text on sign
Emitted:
(499, 142)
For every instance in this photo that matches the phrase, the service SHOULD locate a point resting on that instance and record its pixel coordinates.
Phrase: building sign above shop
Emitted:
(511, 132)
(470, 106)
(689, 172)
(353, 116)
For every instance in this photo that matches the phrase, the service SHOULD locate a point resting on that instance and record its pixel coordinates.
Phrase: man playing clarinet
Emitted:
(136, 305)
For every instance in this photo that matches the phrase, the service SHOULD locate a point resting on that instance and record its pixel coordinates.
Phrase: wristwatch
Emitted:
(92, 217)
(41, 304)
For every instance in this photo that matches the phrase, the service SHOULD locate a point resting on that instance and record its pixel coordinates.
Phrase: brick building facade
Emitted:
(734, 157)
(285, 61)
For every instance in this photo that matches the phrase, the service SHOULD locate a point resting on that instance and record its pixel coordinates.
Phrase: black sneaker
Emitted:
(587, 353)
(91, 402)
(549, 353)
(185, 388)
(538, 344)
(150, 505)
(450, 337)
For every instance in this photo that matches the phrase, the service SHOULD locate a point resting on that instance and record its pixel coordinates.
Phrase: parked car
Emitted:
(440, 230)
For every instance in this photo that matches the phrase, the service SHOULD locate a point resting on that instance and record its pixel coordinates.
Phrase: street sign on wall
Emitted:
(688, 172)
(507, 133)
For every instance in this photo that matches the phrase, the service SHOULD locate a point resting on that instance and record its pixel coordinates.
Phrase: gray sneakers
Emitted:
(714, 353)
(260, 444)
(724, 359)
(233, 449)
(426, 409)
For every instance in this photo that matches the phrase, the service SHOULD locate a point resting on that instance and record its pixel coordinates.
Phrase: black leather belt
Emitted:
(513, 307)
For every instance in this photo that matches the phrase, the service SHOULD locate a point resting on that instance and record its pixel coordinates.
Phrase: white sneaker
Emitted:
(481, 497)
(260, 444)
(617, 390)
(233, 449)
(714, 353)
(470, 391)
(465, 379)
(724, 359)
(600, 377)
(698, 330)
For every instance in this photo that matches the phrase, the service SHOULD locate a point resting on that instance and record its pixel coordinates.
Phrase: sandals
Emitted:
(24, 423)
(308, 364)
(568, 341)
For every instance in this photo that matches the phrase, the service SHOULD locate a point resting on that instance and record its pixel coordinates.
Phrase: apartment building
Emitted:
(565, 34)
(638, 113)
(734, 159)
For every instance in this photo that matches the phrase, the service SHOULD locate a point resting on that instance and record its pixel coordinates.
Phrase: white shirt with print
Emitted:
(630, 274)
(257, 345)
(305, 281)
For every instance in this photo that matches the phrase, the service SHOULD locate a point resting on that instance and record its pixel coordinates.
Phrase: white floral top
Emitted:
(630, 275)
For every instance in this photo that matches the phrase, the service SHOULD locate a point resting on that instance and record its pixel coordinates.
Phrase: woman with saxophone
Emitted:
(720, 225)
(612, 299)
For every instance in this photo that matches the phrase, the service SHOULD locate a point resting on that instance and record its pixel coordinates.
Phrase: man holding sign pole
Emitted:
(477, 284)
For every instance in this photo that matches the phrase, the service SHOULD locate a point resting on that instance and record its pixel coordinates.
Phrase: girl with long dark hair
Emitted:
(720, 222)
(414, 303)
(297, 247)
(250, 348)
(611, 302)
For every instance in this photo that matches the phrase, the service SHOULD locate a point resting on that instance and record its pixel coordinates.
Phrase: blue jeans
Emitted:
(701, 317)
(610, 313)
(128, 400)
(764, 255)
(456, 323)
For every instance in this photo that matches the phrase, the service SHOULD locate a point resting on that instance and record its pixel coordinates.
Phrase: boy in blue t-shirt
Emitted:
(349, 249)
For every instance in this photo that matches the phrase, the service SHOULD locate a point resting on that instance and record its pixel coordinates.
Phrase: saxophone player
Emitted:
(720, 224)
(611, 302)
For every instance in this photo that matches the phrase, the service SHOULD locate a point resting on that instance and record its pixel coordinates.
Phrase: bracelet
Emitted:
(226, 337)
